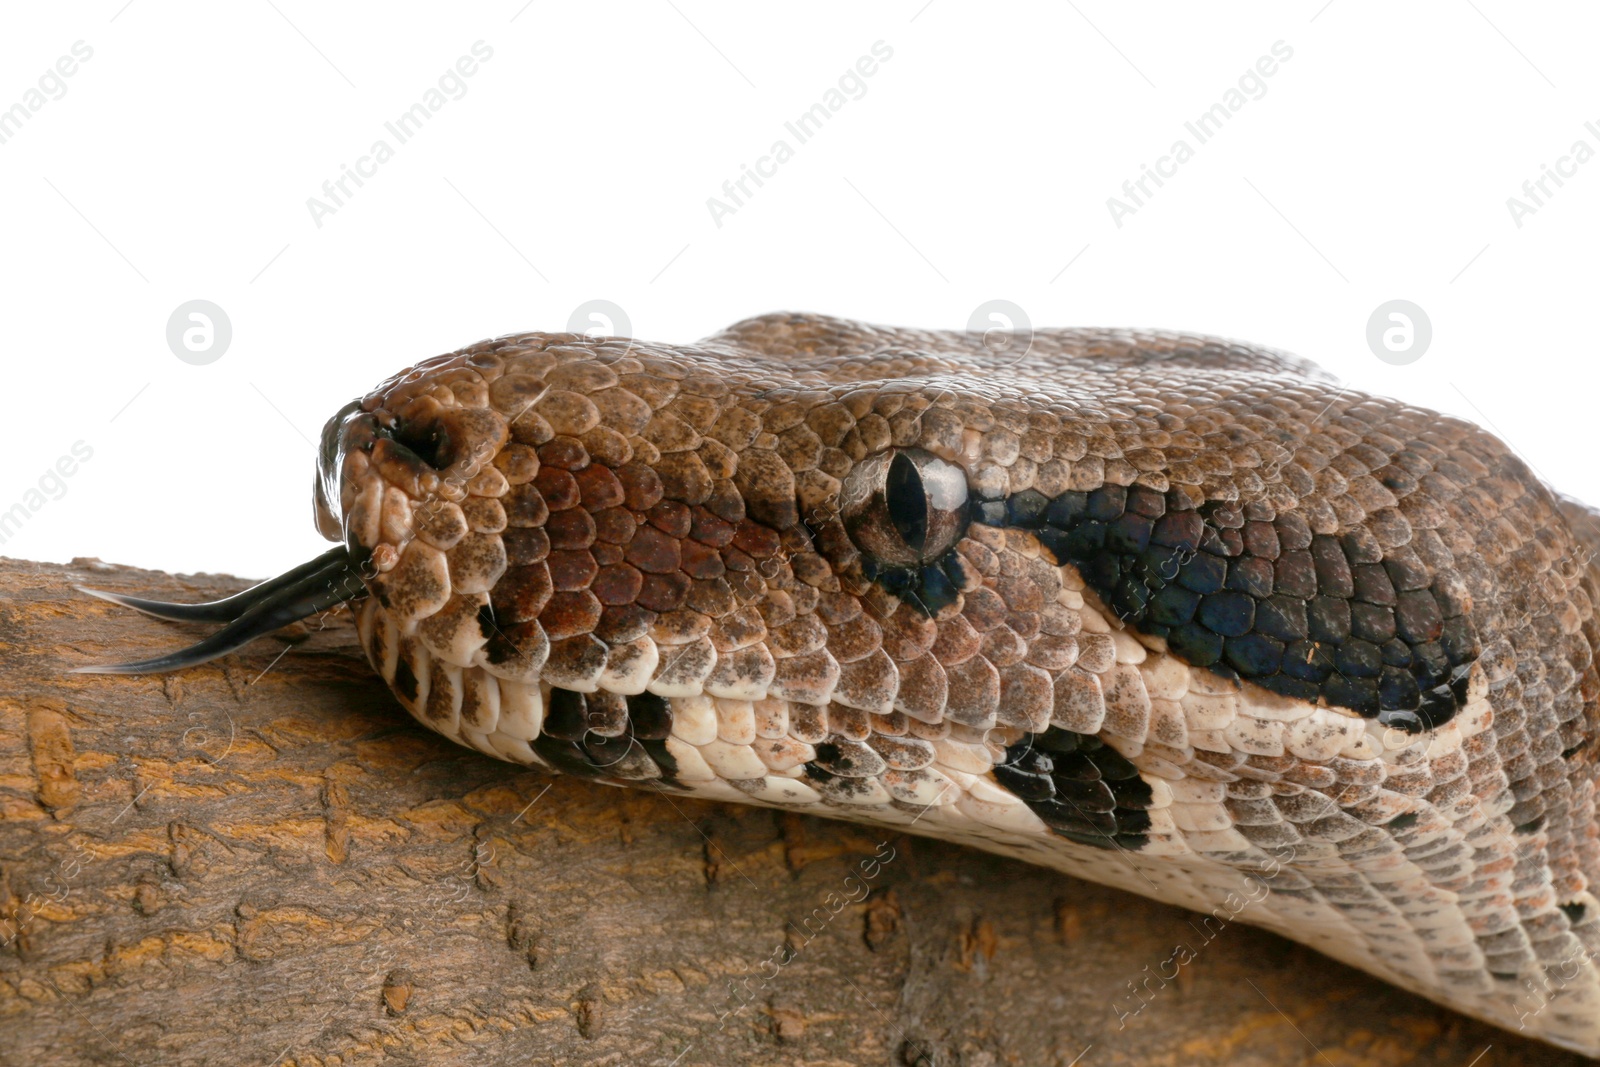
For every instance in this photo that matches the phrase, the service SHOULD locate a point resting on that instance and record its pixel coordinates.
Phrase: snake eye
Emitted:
(904, 508)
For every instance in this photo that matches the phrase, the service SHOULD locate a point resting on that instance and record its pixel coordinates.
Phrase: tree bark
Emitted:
(265, 861)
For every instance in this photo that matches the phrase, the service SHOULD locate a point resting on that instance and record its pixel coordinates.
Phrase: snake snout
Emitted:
(327, 499)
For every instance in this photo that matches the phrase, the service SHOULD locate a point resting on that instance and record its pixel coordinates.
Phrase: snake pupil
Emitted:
(904, 511)
(907, 502)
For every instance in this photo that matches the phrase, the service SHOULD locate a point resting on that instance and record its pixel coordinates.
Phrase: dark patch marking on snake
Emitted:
(1082, 789)
(1304, 615)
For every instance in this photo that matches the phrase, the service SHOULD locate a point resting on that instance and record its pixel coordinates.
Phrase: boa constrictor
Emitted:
(1165, 612)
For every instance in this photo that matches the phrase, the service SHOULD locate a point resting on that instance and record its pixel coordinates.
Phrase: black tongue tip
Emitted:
(312, 587)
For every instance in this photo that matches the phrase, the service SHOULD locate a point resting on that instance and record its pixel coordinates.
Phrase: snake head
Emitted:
(574, 543)
(1159, 611)
(491, 493)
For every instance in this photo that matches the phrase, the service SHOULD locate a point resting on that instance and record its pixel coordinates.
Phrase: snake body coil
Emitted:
(1169, 613)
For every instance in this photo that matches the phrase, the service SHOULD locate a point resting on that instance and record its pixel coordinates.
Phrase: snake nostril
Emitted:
(425, 439)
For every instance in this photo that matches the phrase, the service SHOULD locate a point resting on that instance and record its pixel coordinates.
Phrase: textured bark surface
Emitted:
(264, 861)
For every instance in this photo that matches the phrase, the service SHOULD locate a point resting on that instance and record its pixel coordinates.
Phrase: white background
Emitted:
(179, 161)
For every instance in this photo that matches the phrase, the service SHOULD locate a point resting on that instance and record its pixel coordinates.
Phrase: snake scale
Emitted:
(1170, 613)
